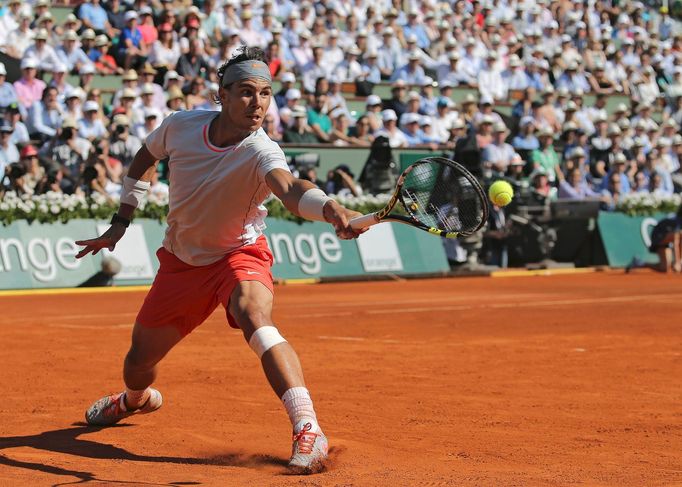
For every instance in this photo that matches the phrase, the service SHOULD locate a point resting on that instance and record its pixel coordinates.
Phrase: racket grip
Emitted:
(364, 221)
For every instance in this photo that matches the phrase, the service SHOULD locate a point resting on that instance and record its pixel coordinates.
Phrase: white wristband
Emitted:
(134, 191)
(311, 204)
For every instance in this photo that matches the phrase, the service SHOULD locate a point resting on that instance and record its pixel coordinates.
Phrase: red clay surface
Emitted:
(482, 381)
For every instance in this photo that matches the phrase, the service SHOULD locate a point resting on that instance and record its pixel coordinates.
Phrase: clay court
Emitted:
(559, 380)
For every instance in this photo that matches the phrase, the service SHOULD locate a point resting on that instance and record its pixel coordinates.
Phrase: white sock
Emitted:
(134, 399)
(299, 405)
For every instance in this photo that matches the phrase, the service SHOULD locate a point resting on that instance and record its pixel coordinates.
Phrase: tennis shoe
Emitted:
(310, 448)
(109, 410)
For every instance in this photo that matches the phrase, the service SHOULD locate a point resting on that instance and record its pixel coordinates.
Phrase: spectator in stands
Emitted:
(68, 150)
(193, 63)
(123, 145)
(129, 82)
(13, 116)
(19, 39)
(165, 51)
(526, 141)
(523, 108)
(70, 54)
(410, 127)
(390, 129)
(484, 131)
(300, 132)
(613, 192)
(176, 100)
(45, 116)
(545, 157)
(411, 73)
(73, 104)
(542, 192)
(60, 83)
(396, 102)
(490, 83)
(497, 156)
(271, 128)
(341, 182)
(94, 17)
(362, 132)
(319, 121)
(104, 62)
(315, 69)
(146, 79)
(132, 49)
(196, 95)
(574, 186)
(485, 109)
(8, 94)
(90, 126)
(288, 81)
(149, 33)
(41, 53)
(8, 151)
(95, 180)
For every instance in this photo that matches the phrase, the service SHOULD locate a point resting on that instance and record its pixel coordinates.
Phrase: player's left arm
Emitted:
(314, 206)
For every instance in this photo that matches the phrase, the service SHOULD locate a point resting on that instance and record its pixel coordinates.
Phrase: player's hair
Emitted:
(244, 53)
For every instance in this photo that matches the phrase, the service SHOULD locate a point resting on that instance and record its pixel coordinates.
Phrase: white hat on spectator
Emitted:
(145, 10)
(121, 119)
(514, 61)
(486, 119)
(663, 142)
(88, 34)
(428, 81)
(453, 56)
(41, 35)
(87, 69)
(457, 123)
(545, 131)
(409, 117)
(624, 123)
(388, 114)
(130, 75)
(363, 33)
(577, 93)
(614, 129)
(288, 77)
(147, 89)
(292, 94)
(638, 142)
(576, 152)
(677, 139)
(101, 40)
(569, 126)
(151, 112)
(670, 123)
(414, 55)
(371, 53)
(45, 17)
(413, 95)
(566, 39)
(59, 67)
(425, 120)
(388, 31)
(621, 108)
(170, 75)
(71, 19)
(628, 42)
(337, 112)
(446, 83)
(373, 100)
(354, 51)
(620, 158)
(128, 93)
(76, 93)
(231, 31)
(527, 121)
(91, 106)
(69, 122)
(29, 63)
(517, 160)
(3, 70)
(130, 15)
(299, 112)
(499, 127)
(486, 100)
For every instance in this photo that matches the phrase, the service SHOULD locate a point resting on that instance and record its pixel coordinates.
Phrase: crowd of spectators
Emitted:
(542, 59)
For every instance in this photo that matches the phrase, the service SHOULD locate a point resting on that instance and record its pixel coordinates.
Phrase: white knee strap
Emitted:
(264, 338)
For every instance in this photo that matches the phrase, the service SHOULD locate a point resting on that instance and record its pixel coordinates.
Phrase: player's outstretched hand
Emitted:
(107, 240)
(339, 217)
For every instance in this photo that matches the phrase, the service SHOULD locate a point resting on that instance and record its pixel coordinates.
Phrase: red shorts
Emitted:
(184, 295)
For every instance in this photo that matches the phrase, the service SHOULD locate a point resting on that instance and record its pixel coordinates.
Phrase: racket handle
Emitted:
(364, 221)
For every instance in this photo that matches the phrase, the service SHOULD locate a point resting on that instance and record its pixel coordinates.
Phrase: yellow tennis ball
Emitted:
(501, 193)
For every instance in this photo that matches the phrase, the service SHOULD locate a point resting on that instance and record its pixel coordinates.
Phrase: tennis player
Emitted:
(222, 168)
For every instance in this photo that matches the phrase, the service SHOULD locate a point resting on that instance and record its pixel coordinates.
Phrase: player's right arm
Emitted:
(139, 174)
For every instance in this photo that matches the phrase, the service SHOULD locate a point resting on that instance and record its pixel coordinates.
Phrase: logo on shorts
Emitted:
(251, 273)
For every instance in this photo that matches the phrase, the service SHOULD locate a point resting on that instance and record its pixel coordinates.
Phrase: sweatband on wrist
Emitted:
(264, 338)
(134, 191)
(311, 204)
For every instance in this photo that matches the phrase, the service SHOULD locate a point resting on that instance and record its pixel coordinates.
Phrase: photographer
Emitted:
(341, 182)
(69, 150)
(123, 145)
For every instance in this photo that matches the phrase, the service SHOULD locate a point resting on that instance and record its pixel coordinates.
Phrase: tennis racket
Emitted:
(438, 196)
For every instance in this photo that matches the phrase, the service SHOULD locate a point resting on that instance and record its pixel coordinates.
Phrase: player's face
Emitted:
(246, 103)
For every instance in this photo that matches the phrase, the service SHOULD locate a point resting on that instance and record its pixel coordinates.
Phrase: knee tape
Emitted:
(264, 338)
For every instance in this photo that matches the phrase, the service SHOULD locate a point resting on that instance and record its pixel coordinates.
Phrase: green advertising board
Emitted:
(626, 237)
(43, 255)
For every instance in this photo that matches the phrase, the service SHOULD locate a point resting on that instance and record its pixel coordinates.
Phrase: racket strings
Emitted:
(439, 196)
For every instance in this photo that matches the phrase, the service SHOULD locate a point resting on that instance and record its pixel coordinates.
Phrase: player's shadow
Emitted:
(68, 441)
